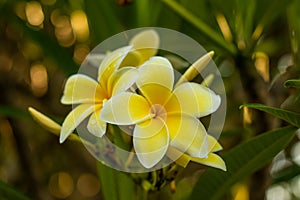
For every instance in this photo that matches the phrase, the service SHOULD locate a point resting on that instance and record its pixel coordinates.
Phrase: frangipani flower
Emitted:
(163, 116)
(91, 95)
(113, 78)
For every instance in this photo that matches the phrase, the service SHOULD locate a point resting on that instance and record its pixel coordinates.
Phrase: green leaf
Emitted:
(241, 162)
(292, 83)
(287, 174)
(267, 12)
(115, 185)
(103, 19)
(293, 15)
(202, 26)
(8, 192)
(8, 111)
(147, 12)
(288, 116)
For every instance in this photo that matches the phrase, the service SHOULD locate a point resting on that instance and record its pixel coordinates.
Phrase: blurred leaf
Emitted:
(147, 12)
(272, 45)
(8, 192)
(292, 83)
(294, 29)
(165, 16)
(286, 174)
(115, 185)
(103, 19)
(202, 26)
(119, 138)
(270, 10)
(288, 116)
(240, 16)
(241, 162)
(8, 111)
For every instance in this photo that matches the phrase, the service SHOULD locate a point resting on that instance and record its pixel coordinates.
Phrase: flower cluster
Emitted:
(165, 115)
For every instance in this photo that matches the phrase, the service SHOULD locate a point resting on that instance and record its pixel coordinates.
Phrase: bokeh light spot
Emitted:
(88, 185)
(80, 25)
(61, 185)
(34, 13)
(39, 80)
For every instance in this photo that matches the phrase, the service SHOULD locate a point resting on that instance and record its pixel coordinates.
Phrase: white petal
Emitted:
(122, 79)
(146, 43)
(150, 150)
(187, 134)
(110, 63)
(156, 71)
(125, 109)
(74, 118)
(197, 100)
(96, 125)
(80, 88)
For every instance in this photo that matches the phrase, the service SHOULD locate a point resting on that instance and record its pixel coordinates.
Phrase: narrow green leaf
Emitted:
(8, 192)
(241, 162)
(268, 12)
(108, 182)
(202, 26)
(115, 185)
(147, 12)
(144, 16)
(119, 139)
(288, 116)
(103, 19)
(292, 83)
(287, 174)
(8, 111)
(126, 186)
(293, 16)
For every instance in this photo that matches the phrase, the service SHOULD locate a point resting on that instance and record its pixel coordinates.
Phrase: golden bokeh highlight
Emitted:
(88, 185)
(6, 62)
(80, 53)
(34, 13)
(61, 185)
(62, 29)
(223, 24)
(240, 192)
(247, 116)
(38, 80)
(80, 25)
(262, 65)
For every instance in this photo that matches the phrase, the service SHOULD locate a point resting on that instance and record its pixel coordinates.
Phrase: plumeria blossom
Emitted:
(163, 116)
(91, 94)
(113, 78)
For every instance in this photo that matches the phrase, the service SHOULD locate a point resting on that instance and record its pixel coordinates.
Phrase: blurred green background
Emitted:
(256, 46)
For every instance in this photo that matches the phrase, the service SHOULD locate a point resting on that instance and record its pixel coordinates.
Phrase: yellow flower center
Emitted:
(158, 111)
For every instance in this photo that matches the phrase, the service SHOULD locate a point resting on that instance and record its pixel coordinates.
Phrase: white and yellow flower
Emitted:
(90, 95)
(163, 116)
(113, 78)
